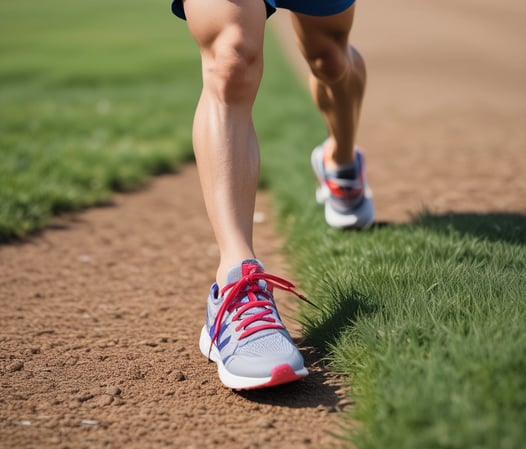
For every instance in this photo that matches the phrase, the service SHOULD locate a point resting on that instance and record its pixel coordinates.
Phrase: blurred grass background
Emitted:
(94, 97)
(425, 320)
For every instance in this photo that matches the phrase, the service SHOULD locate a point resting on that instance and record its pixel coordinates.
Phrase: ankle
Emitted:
(336, 158)
(340, 167)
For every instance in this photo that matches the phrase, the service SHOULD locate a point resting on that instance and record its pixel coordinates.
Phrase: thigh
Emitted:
(237, 23)
(316, 32)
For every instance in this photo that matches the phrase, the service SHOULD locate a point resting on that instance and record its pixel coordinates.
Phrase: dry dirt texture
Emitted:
(100, 314)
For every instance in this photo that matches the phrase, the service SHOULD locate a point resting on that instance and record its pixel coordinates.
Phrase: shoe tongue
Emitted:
(244, 268)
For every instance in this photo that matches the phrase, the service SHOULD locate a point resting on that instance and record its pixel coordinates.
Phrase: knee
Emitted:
(234, 68)
(336, 62)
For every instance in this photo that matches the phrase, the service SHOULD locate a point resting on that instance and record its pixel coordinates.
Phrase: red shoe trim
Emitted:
(281, 374)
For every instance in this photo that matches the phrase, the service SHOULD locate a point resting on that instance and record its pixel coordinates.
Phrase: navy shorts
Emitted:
(309, 7)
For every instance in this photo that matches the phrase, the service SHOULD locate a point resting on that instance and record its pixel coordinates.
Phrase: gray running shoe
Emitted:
(243, 333)
(347, 197)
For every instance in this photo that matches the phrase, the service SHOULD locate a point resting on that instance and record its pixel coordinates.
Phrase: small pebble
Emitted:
(265, 423)
(89, 422)
(113, 391)
(104, 400)
(117, 401)
(24, 423)
(15, 366)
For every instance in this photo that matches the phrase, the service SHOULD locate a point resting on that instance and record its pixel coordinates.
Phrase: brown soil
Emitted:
(99, 331)
(100, 313)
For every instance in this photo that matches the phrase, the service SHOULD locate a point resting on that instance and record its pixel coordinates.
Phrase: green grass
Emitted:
(94, 97)
(428, 325)
(425, 320)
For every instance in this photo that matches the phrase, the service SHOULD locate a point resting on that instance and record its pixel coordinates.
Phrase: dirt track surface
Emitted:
(100, 315)
(99, 334)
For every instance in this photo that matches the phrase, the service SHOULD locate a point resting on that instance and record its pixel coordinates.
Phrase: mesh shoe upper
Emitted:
(244, 324)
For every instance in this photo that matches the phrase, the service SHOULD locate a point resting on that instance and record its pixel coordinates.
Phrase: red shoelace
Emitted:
(248, 287)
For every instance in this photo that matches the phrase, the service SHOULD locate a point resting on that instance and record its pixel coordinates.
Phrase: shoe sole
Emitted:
(361, 217)
(281, 374)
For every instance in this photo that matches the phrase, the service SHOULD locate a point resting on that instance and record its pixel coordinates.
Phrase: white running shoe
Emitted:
(243, 333)
(347, 197)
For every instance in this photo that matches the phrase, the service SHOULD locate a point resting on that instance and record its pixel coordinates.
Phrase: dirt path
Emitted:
(100, 315)
(99, 332)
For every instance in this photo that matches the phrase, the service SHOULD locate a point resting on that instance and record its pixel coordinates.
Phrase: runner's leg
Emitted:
(230, 37)
(337, 80)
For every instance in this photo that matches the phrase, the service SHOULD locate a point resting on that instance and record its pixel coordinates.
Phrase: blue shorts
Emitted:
(309, 7)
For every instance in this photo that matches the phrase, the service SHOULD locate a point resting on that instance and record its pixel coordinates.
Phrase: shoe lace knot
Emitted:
(253, 303)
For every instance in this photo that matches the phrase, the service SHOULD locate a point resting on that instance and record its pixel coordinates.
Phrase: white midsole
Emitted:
(362, 217)
(229, 379)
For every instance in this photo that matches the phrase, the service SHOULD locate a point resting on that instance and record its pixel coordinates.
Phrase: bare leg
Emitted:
(337, 79)
(230, 36)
